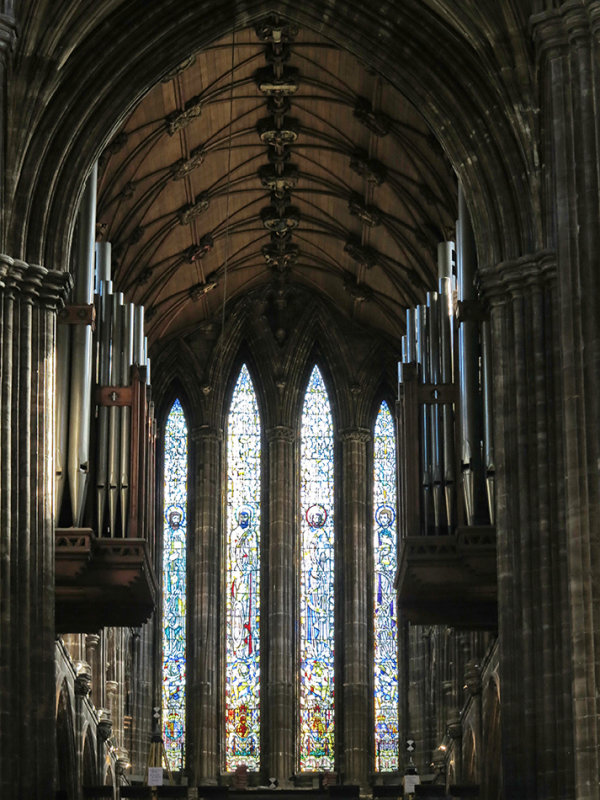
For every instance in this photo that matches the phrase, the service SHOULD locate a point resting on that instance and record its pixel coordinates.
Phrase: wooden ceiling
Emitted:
(271, 160)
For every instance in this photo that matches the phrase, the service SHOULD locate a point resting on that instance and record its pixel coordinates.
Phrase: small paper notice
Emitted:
(155, 776)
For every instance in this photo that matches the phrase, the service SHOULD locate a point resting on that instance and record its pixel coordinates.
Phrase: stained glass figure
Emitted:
(385, 618)
(242, 585)
(174, 586)
(316, 580)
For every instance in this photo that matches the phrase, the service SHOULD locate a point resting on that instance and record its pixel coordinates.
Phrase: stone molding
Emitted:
(509, 278)
(46, 288)
(553, 31)
(8, 36)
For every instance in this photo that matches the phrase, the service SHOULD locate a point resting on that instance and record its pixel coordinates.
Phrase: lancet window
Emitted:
(316, 580)
(174, 585)
(385, 655)
(242, 583)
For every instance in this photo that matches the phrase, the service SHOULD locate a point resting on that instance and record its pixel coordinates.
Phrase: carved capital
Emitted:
(359, 435)
(206, 433)
(281, 433)
(555, 30)
(512, 278)
(49, 288)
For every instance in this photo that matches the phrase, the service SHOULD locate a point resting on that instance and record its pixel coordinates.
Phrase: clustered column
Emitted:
(281, 715)
(203, 640)
(356, 612)
(567, 41)
(531, 540)
(30, 297)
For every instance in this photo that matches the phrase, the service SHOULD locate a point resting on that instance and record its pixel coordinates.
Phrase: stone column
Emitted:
(531, 541)
(204, 724)
(280, 717)
(30, 299)
(357, 611)
(567, 42)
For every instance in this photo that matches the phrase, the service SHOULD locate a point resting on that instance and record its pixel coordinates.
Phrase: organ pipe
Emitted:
(452, 356)
(126, 364)
(61, 420)
(468, 354)
(81, 355)
(114, 412)
(488, 430)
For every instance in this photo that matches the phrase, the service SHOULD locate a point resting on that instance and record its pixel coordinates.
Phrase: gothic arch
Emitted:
(66, 750)
(480, 119)
(492, 763)
(88, 762)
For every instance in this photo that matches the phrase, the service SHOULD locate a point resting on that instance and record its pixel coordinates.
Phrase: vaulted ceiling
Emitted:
(273, 160)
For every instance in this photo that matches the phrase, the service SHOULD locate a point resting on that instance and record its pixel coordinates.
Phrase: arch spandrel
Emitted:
(106, 70)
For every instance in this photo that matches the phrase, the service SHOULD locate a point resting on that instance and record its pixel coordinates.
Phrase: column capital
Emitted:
(554, 30)
(361, 435)
(206, 433)
(47, 287)
(510, 278)
(281, 433)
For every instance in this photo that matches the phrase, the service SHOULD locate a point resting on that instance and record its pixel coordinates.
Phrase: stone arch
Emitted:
(430, 52)
(492, 763)
(470, 757)
(66, 750)
(88, 759)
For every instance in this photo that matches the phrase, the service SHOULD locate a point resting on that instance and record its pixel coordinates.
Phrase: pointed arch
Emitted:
(385, 621)
(174, 584)
(317, 564)
(242, 578)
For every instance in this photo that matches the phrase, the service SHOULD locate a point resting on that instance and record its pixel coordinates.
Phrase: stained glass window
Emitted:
(242, 587)
(316, 580)
(385, 619)
(174, 586)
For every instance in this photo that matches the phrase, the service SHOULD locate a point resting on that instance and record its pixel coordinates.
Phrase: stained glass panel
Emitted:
(242, 589)
(316, 581)
(385, 618)
(174, 586)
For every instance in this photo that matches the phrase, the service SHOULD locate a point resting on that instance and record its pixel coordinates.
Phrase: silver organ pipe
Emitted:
(426, 453)
(468, 353)
(114, 412)
(434, 410)
(446, 374)
(103, 337)
(488, 430)
(125, 443)
(61, 419)
(451, 358)
(81, 355)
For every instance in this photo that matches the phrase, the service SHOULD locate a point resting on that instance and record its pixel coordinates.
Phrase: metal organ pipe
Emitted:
(104, 334)
(114, 415)
(468, 353)
(446, 339)
(61, 420)
(80, 390)
(423, 361)
(488, 430)
(125, 442)
(434, 409)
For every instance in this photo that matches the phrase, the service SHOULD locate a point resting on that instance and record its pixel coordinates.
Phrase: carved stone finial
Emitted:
(83, 678)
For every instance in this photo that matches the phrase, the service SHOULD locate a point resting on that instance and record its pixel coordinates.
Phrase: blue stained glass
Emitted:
(174, 586)
(316, 581)
(242, 586)
(385, 618)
